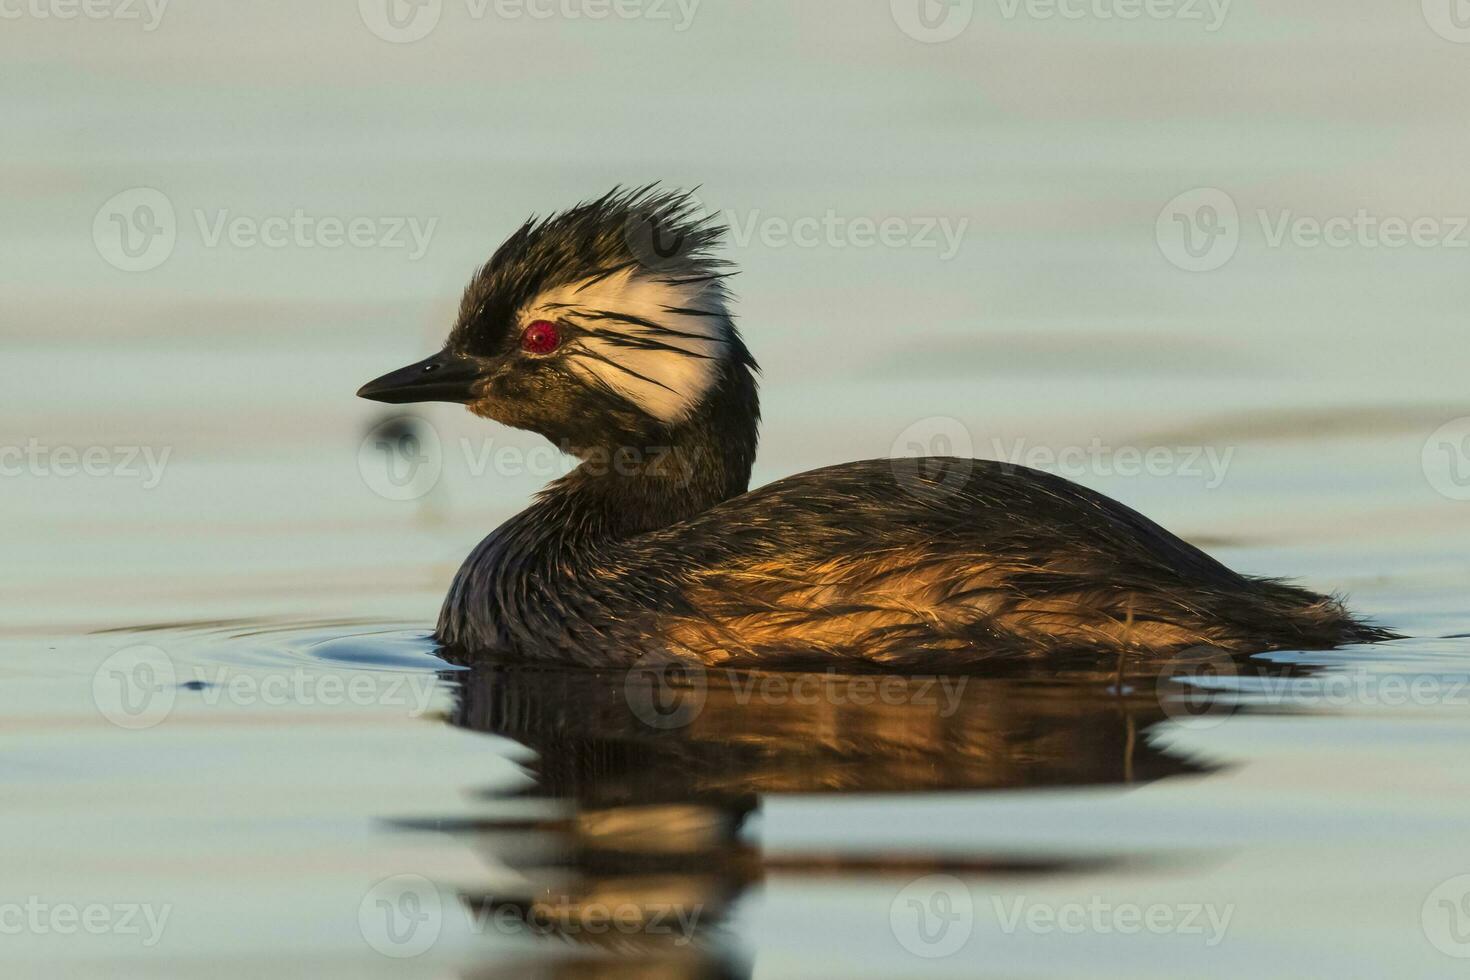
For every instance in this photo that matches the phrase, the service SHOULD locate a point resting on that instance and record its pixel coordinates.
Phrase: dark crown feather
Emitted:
(658, 233)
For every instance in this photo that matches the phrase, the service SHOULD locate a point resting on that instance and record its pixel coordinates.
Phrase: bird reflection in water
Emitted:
(642, 782)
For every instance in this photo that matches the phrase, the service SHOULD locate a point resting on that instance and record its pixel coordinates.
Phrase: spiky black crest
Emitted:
(657, 233)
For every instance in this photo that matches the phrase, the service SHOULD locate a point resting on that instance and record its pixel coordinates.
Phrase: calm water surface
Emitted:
(230, 750)
(333, 798)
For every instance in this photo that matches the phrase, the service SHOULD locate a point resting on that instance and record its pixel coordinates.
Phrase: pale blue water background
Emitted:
(1059, 321)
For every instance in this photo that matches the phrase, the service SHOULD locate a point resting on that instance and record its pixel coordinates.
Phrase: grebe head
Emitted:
(603, 326)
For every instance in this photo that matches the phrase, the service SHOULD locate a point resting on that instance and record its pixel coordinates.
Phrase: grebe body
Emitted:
(606, 328)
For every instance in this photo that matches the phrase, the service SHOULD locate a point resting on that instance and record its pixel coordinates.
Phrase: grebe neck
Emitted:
(656, 478)
(625, 486)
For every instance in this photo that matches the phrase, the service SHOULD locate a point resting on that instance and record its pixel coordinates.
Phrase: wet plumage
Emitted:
(606, 329)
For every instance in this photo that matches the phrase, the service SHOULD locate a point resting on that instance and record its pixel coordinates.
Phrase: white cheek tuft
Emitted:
(634, 339)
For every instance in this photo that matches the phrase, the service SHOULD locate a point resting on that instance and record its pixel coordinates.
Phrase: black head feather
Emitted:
(662, 234)
(648, 351)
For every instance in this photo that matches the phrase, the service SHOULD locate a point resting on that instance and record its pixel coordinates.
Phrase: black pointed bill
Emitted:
(445, 377)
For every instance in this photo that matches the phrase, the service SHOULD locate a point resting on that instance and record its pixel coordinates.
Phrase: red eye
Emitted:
(540, 337)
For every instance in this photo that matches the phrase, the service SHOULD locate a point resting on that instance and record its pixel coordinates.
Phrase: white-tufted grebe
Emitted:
(606, 328)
